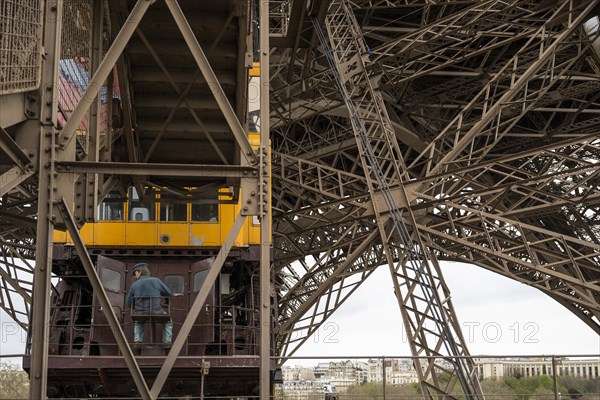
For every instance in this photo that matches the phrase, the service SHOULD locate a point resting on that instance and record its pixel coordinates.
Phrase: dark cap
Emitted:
(140, 266)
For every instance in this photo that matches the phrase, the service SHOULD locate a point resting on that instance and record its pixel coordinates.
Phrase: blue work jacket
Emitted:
(145, 294)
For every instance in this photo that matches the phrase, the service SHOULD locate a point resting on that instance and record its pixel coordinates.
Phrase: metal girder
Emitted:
(330, 183)
(13, 178)
(503, 92)
(432, 49)
(267, 325)
(524, 183)
(413, 269)
(157, 169)
(524, 188)
(133, 151)
(88, 191)
(15, 285)
(20, 193)
(325, 286)
(514, 182)
(40, 310)
(444, 42)
(182, 99)
(14, 152)
(492, 104)
(306, 290)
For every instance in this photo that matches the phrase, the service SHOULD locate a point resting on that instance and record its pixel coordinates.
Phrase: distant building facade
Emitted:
(496, 368)
(308, 382)
(343, 374)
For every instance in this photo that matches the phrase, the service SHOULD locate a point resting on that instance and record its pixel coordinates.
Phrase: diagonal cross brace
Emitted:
(187, 325)
(14, 152)
(115, 326)
(213, 82)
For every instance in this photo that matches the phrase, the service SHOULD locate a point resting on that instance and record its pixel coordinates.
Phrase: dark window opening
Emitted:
(111, 209)
(175, 283)
(84, 315)
(205, 212)
(140, 210)
(173, 212)
(111, 280)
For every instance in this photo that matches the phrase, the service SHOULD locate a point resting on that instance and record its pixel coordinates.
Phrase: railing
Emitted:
(150, 307)
(72, 332)
(20, 45)
(518, 377)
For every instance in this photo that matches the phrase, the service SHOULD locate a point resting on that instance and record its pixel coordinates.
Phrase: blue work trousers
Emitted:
(138, 331)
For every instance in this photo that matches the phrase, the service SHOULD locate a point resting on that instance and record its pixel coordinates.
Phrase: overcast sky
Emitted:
(498, 317)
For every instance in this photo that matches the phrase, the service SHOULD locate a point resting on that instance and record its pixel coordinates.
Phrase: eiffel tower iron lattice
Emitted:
(403, 133)
(422, 295)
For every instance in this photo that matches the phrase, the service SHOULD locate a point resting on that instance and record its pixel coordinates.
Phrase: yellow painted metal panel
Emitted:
(173, 234)
(253, 232)
(205, 234)
(242, 237)
(227, 214)
(87, 233)
(167, 234)
(107, 234)
(255, 70)
(59, 236)
(140, 233)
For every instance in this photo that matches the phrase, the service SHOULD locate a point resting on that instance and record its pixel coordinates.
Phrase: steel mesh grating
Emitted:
(74, 68)
(20, 45)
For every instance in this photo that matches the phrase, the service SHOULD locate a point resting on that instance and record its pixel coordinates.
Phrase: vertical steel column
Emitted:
(554, 383)
(90, 200)
(40, 318)
(96, 57)
(264, 185)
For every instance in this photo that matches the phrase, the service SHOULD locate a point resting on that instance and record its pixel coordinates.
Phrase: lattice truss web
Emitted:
(20, 45)
(16, 289)
(493, 106)
(17, 244)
